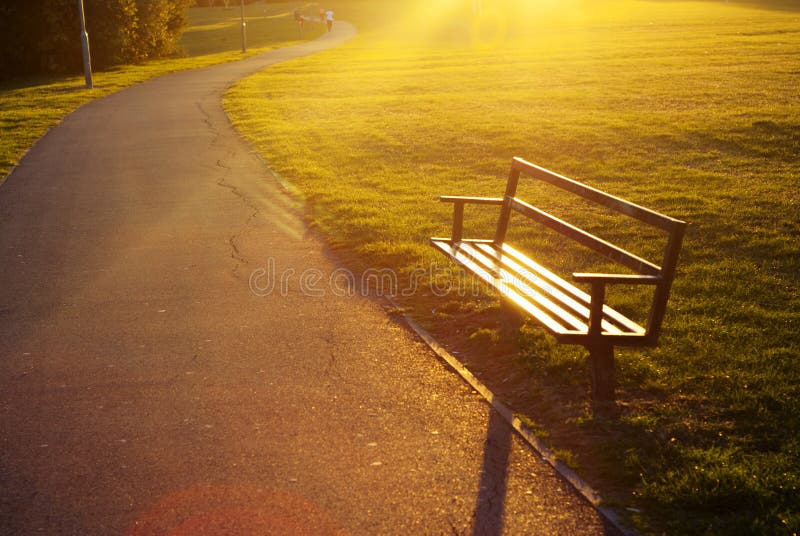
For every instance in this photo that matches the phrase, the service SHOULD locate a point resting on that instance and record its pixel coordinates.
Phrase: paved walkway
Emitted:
(145, 389)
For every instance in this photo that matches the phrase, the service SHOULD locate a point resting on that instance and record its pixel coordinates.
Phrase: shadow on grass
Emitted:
(24, 82)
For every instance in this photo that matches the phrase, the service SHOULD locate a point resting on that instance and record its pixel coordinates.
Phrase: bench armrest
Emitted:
(458, 210)
(598, 292)
(472, 200)
(623, 279)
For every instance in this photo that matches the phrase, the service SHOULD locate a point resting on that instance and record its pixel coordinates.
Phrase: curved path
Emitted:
(146, 389)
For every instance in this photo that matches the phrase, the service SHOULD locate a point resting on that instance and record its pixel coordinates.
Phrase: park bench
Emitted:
(572, 315)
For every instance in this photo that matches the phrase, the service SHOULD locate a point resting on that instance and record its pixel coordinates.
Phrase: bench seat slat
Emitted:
(566, 294)
(610, 314)
(555, 286)
(538, 295)
(558, 305)
(458, 254)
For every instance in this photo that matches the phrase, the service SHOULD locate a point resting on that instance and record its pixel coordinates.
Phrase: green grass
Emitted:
(214, 30)
(689, 108)
(28, 107)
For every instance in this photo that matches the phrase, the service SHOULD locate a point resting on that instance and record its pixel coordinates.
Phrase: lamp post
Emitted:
(244, 31)
(87, 59)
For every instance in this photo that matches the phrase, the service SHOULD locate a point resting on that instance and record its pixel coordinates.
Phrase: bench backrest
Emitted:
(675, 229)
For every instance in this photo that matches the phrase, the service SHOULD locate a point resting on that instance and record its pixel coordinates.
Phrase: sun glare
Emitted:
(426, 19)
(485, 23)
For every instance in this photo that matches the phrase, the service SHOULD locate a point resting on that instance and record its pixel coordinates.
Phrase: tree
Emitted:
(113, 27)
(161, 23)
(42, 36)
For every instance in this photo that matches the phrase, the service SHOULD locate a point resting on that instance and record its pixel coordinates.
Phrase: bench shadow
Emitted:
(492, 493)
(490, 506)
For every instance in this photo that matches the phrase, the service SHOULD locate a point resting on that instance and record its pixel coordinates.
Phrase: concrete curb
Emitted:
(584, 489)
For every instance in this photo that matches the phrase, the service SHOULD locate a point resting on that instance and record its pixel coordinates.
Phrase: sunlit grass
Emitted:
(28, 107)
(213, 30)
(689, 108)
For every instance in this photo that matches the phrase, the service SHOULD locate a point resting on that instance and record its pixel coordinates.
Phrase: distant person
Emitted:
(321, 15)
(329, 19)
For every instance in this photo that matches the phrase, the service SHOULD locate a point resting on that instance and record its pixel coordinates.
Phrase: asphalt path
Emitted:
(174, 358)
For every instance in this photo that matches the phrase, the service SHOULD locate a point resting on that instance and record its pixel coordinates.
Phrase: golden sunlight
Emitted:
(487, 23)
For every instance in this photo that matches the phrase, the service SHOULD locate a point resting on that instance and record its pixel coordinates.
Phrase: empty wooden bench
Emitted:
(572, 315)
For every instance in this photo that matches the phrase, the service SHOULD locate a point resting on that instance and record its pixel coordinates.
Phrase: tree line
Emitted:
(42, 36)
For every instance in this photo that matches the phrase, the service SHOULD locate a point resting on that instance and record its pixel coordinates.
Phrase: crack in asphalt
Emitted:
(329, 338)
(233, 240)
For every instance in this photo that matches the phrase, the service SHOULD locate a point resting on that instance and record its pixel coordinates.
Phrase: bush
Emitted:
(43, 36)
(159, 27)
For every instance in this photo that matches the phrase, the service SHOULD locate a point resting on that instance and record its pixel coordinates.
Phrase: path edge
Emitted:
(580, 485)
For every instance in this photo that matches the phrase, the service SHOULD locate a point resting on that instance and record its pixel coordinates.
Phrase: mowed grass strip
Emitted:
(28, 107)
(689, 108)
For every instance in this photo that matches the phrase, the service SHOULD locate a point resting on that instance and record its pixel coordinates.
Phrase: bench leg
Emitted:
(511, 318)
(601, 364)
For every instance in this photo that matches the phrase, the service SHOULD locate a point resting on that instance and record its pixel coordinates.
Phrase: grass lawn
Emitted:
(28, 107)
(688, 108)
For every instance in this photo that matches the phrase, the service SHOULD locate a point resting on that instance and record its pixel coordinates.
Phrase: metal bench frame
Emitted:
(570, 314)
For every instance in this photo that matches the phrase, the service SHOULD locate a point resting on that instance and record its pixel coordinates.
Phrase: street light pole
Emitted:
(87, 59)
(244, 31)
